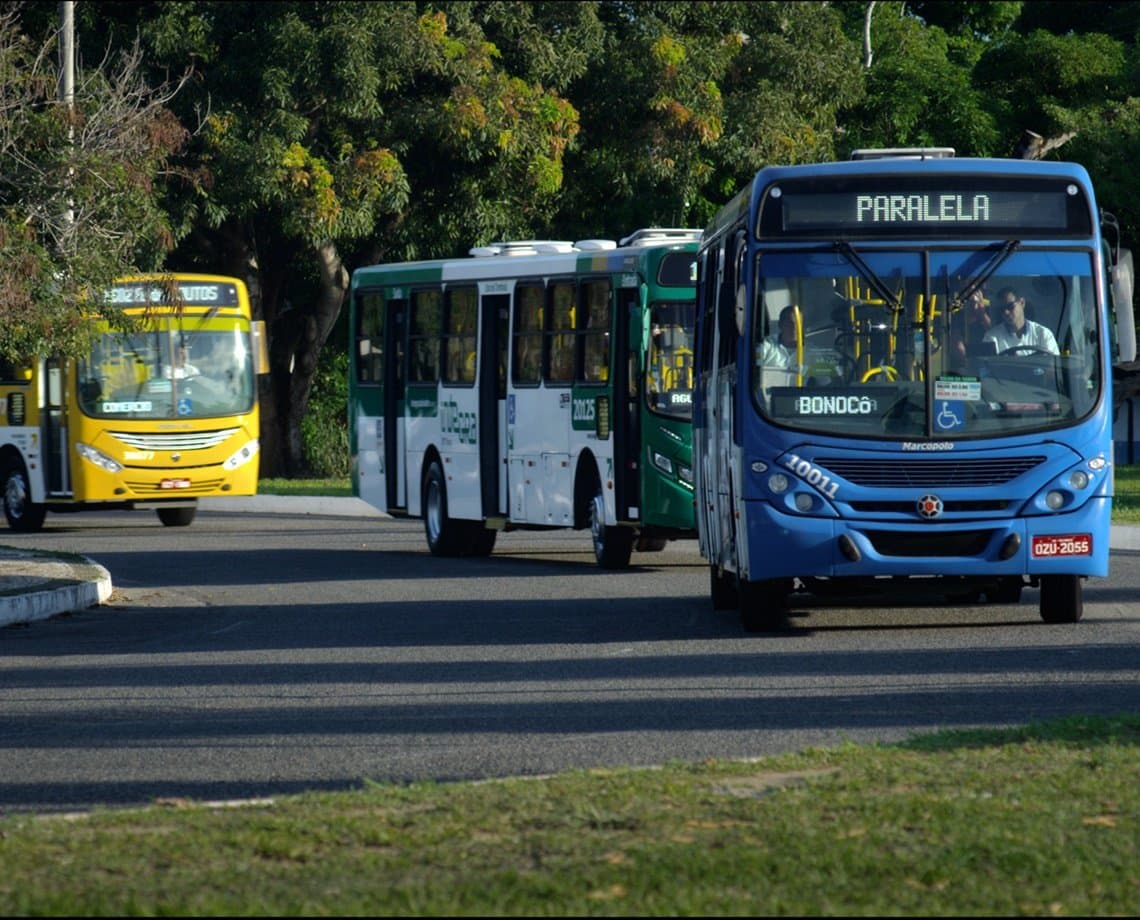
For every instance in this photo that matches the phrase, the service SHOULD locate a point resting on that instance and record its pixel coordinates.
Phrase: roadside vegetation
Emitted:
(1039, 821)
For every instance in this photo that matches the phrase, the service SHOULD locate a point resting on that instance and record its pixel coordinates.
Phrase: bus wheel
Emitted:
(21, 512)
(1062, 598)
(176, 517)
(441, 531)
(763, 605)
(612, 545)
(722, 586)
(480, 541)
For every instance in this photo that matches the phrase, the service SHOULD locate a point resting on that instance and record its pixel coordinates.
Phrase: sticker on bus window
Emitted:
(142, 406)
(951, 415)
(967, 388)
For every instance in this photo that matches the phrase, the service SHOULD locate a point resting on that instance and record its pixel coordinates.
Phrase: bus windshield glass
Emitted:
(169, 371)
(926, 344)
(669, 372)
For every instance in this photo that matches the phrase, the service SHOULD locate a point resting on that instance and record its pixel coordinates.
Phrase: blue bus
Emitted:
(903, 379)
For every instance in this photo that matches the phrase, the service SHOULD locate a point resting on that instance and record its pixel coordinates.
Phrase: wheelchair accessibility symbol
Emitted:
(185, 406)
(951, 415)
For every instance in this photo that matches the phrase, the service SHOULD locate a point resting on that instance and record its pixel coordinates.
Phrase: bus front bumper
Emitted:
(781, 545)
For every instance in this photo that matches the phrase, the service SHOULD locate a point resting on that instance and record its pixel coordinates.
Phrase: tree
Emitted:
(689, 99)
(340, 132)
(77, 200)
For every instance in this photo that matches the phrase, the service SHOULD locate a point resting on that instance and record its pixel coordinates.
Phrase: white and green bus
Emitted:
(533, 385)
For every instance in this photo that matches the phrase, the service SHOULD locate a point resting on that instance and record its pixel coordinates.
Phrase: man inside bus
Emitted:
(1015, 331)
(182, 367)
(779, 349)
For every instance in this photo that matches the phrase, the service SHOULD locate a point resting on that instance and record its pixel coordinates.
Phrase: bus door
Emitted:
(54, 422)
(395, 448)
(629, 343)
(494, 312)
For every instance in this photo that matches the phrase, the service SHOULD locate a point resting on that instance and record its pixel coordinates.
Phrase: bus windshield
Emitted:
(169, 372)
(926, 344)
(669, 371)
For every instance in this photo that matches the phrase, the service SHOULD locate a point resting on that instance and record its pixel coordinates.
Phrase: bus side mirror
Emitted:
(260, 347)
(1123, 285)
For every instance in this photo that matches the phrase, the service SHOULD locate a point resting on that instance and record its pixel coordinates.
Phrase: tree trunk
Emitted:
(298, 335)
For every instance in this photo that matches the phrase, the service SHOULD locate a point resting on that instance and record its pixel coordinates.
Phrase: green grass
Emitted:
(333, 486)
(1042, 820)
(1125, 506)
(1126, 503)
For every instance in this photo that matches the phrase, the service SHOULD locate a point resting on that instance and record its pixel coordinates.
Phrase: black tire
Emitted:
(480, 541)
(177, 517)
(763, 605)
(23, 515)
(722, 587)
(612, 545)
(1062, 598)
(443, 534)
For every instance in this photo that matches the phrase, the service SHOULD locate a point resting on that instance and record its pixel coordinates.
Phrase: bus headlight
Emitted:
(1055, 500)
(804, 502)
(663, 463)
(242, 456)
(685, 474)
(1079, 479)
(778, 483)
(98, 458)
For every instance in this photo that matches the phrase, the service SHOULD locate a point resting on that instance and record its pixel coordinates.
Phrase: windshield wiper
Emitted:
(869, 276)
(972, 284)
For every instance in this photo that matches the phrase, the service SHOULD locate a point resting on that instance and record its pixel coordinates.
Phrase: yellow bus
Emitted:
(152, 418)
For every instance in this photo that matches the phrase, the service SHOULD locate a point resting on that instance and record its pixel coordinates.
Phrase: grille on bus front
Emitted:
(932, 543)
(929, 473)
(182, 440)
(155, 489)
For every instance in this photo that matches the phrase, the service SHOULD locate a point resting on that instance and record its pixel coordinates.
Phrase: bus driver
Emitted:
(1015, 331)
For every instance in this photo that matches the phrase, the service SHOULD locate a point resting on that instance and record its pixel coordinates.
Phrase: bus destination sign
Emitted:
(190, 294)
(870, 207)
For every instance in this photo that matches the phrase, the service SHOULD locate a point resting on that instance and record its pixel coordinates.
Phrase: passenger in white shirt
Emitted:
(779, 349)
(1015, 330)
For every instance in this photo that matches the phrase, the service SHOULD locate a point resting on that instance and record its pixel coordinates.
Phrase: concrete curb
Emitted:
(35, 587)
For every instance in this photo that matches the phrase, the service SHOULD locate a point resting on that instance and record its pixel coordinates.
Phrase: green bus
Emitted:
(533, 385)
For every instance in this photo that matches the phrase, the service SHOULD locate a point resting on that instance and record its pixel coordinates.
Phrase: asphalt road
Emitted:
(254, 655)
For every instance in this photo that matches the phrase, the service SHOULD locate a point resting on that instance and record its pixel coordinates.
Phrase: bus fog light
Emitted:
(804, 502)
(1055, 500)
(1078, 479)
(242, 456)
(778, 483)
(98, 458)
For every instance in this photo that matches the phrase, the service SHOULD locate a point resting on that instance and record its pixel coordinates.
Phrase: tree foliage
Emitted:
(78, 202)
(316, 136)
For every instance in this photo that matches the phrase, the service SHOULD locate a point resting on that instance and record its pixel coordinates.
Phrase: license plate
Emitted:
(175, 484)
(1074, 544)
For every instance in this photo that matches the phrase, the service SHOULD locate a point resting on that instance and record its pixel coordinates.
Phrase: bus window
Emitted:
(423, 338)
(596, 336)
(561, 333)
(527, 367)
(459, 336)
(370, 339)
